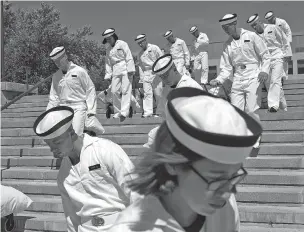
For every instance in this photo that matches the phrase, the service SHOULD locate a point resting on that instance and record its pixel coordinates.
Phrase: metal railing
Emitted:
(26, 92)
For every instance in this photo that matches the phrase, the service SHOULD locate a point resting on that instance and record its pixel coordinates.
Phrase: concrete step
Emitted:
(274, 218)
(296, 125)
(110, 130)
(267, 125)
(246, 193)
(34, 186)
(46, 222)
(275, 162)
(101, 110)
(272, 214)
(135, 150)
(293, 86)
(279, 137)
(263, 177)
(270, 194)
(260, 162)
(274, 177)
(131, 150)
(23, 123)
(282, 149)
(264, 116)
(264, 227)
(119, 139)
(128, 139)
(43, 204)
(293, 91)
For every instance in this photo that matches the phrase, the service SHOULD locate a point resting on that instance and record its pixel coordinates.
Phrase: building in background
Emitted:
(296, 65)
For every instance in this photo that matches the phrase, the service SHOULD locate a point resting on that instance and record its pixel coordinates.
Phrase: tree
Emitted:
(30, 36)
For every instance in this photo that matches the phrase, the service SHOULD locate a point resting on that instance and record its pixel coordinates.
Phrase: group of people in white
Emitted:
(186, 180)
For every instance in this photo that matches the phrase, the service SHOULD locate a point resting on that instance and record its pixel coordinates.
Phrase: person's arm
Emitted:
(263, 53)
(90, 91)
(282, 39)
(202, 40)
(109, 69)
(226, 67)
(186, 54)
(129, 58)
(120, 167)
(287, 30)
(72, 219)
(53, 97)
(158, 52)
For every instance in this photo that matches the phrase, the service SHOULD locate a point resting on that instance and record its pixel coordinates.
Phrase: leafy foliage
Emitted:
(30, 36)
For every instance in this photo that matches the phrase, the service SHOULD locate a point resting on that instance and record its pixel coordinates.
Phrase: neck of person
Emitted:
(75, 153)
(65, 70)
(237, 34)
(180, 211)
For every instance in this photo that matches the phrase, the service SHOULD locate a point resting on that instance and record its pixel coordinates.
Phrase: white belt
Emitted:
(246, 66)
(99, 220)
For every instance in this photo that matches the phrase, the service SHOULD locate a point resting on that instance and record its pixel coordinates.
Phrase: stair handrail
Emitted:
(25, 93)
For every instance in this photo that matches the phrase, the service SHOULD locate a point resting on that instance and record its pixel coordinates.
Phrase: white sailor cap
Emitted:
(252, 19)
(167, 34)
(57, 52)
(140, 38)
(162, 64)
(228, 18)
(224, 133)
(108, 32)
(193, 29)
(53, 122)
(269, 15)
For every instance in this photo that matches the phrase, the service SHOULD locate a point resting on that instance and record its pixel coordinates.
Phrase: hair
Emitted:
(150, 174)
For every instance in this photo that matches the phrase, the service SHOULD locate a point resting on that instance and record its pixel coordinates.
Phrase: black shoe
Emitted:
(9, 223)
(122, 118)
(110, 110)
(131, 112)
(273, 110)
(108, 113)
(254, 152)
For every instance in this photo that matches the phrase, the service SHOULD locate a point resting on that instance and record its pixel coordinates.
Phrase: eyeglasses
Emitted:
(217, 184)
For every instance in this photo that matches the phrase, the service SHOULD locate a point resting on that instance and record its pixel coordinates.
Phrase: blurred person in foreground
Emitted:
(92, 175)
(189, 176)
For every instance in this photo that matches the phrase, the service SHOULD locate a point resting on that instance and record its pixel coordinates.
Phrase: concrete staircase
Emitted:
(271, 198)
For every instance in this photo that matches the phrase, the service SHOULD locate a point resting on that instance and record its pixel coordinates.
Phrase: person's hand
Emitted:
(287, 58)
(262, 77)
(214, 82)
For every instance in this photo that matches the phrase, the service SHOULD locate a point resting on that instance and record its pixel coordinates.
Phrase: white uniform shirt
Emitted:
(276, 41)
(248, 49)
(147, 57)
(149, 215)
(73, 87)
(119, 60)
(185, 81)
(101, 191)
(200, 44)
(285, 28)
(178, 50)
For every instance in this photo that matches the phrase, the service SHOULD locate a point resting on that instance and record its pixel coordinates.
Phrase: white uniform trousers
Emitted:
(152, 87)
(201, 68)
(274, 83)
(180, 65)
(121, 84)
(80, 112)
